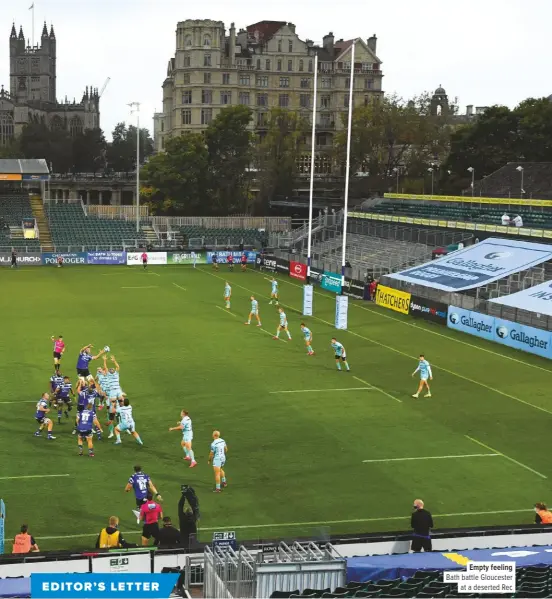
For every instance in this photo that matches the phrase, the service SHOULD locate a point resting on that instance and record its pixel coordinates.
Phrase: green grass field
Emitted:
(298, 431)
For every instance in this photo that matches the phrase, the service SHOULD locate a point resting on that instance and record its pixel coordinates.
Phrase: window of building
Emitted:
(186, 116)
(258, 64)
(262, 99)
(368, 84)
(186, 78)
(35, 79)
(305, 83)
(366, 100)
(325, 101)
(366, 66)
(75, 126)
(262, 119)
(244, 98)
(310, 66)
(346, 66)
(325, 121)
(279, 45)
(206, 116)
(279, 65)
(326, 82)
(187, 60)
(206, 96)
(301, 64)
(326, 67)
(206, 60)
(162, 126)
(225, 98)
(268, 65)
(346, 101)
(245, 80)
(7, 130)
(347, 82)
(226, 79)
(284, 81)
(241, 62)
(290, 65)
(162, 143)
(283, 101)
(187, 97)
(207, 40)
(188, 41)
(262, 81)
(304, 100)
(290, 46)
(207, 78)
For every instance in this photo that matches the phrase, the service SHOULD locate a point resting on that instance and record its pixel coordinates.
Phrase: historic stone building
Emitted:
(266, 65)
(32, 95)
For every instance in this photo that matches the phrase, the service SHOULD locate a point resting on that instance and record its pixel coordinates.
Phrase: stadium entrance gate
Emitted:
(230, 574)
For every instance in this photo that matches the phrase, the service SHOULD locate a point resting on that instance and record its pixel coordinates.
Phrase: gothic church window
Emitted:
(57, 123)
(75, 126)
(6, 128)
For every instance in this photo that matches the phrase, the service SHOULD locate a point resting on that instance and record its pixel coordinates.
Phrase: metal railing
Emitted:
(229, 573)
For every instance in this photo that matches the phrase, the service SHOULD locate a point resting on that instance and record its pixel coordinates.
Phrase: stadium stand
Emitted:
(14, 207)
(223, 237)
(70, 226)
(506, 181)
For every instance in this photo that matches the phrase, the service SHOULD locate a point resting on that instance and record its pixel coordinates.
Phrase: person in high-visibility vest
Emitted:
(110, 537)
(24, 542)
(542, 514)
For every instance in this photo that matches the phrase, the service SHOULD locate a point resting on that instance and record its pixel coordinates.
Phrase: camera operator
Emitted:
(188, 517)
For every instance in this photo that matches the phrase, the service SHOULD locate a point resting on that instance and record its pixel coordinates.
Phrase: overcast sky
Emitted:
(482, 51)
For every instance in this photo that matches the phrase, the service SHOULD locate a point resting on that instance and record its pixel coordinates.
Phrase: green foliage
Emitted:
(89, 151)
(121, 153)
(38, 141)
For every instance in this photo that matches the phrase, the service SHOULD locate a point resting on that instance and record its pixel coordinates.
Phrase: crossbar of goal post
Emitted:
(2, 523)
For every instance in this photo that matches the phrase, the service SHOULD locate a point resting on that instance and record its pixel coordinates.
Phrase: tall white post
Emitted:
(313, 154)
(135, 107)
(32, 34)
(348, 163)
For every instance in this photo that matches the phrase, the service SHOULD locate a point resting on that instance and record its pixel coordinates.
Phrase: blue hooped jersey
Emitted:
(83, 361)
(65, 389)
(41, 408)
(140, 483)
(55, 381)
(85, 420)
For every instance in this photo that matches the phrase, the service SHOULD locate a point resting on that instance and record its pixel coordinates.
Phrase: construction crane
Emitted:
(104, 86)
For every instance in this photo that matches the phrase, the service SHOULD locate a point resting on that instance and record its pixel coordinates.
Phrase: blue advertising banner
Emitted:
(331, 282)
(519, 336)
(68, 257)
(36, 177)
(106, 257)
(94, 586)
(473, 323)
(221, 257)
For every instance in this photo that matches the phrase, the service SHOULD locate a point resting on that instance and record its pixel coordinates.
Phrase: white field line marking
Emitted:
(435, 457)
(111, 274)
(34, 476)
(226, 311)
(273, 335)
(325, 390)
(20, 401)
(378, 389)
(177, 285)
(293, 524)
(142, 287)
(154, 273)
(401, 353)
(409, 324)
(506, 456)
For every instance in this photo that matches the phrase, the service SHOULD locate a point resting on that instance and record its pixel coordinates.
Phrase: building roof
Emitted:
(11, 166)
(266, 29)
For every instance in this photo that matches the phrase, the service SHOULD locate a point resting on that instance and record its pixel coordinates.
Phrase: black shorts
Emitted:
(85, 434)
(139, 502)
(112, 416)
(40, 420)
(150, 530)
(342, 358)
(83, 372)
(419, 543)
(57, 355)
(80, 407)
(66, 400)
(144, 261)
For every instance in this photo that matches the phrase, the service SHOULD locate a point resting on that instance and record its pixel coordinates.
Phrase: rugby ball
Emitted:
(107, 348)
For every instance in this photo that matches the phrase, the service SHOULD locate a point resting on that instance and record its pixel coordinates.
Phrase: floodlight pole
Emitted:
(135, 107)
(313, 150)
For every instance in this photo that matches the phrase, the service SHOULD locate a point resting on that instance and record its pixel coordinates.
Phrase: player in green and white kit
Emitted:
(227, 294)
(283, 326)
(340, 354)
(308, 338)
(218, 456)
(254, 311)
(273, 291)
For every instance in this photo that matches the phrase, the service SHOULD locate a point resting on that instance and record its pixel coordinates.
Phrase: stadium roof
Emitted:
(32, 166)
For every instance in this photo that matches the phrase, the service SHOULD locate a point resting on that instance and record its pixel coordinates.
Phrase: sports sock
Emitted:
(338, 366)
(186, 451)
(192, 457)
(118, 436)
(218, 485)
(224, 479)
(289, 336)
(138, 440)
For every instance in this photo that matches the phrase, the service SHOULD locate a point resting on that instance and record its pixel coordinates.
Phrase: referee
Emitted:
(421, 523)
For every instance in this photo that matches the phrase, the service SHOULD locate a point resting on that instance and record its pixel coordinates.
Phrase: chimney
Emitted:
(328, 42)
(469, 110)
(291, 27)
(372, 43)
(232, 45)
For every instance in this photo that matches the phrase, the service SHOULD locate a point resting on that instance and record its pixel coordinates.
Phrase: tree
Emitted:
(121, 153)
(11, 150)
(277, 154)
(229, 147)
(56, 147)
(178, 178)
(89, 151)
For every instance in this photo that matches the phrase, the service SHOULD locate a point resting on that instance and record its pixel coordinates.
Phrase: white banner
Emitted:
(477, 265)
(341, 307)
(535, 299)
(135, 258)
(308, 297)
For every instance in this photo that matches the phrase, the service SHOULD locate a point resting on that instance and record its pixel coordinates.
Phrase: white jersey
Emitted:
(218, 447)
(125, 412)
(186, 424)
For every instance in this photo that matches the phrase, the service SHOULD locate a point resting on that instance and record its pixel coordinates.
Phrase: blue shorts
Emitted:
(187, 437)
(127, 426)
(115, 393)
(219, 462)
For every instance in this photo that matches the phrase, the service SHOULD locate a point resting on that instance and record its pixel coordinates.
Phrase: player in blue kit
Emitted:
(340, 354)
(283, 326)
(141, 484)
(83, 362)
(86, 421)
(254, 312)
(185, 425)
(307, 334)
(64, 394)
(227, 294)
(42, 409)
(218, 456)
(425, 373)
(273, 291)
(214, 261)
(55, 381)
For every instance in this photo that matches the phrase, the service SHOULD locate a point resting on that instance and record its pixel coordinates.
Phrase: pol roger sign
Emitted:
(477, 265)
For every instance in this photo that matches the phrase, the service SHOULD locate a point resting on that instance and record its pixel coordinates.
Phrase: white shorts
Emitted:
(127, 426)
(424, 378)
(115, 393)
(187, 437)
(219, 462)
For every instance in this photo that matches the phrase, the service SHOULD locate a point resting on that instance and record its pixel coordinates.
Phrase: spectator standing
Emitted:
(150, 512)
(373, 289)
(542, 515)
(24, 542)
(14, 259)
(421, 523)
(110, 537)
(518, 221)
(505, 220)
(169, 536)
